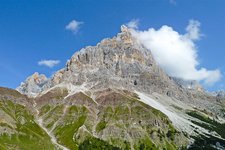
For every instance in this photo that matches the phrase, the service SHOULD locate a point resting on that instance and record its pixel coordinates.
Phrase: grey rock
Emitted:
(121, 62)
(33, 85)
(220, 94)
(188, 84)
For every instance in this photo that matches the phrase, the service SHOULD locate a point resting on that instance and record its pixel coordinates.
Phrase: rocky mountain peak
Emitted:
(38, 78)
(117, 62)
(33, 84)
(126, 34)
(123, 47)
(124, 28)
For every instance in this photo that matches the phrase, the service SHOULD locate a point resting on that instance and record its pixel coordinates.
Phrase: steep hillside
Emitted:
(115, 96)
(115, 117)
(119, 62)
(18, 125)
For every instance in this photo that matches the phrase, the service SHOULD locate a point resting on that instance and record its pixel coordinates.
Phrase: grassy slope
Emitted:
(25, 133)
(119, 121)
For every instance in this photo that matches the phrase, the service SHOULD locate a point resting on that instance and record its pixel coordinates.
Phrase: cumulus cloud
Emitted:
(74, 26)
(177, 53)
(48, 63)
(133, 24)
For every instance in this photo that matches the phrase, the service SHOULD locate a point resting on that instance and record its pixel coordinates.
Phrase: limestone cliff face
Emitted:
(33, 84)
(188, 84)
(115, 94)
(120, 62)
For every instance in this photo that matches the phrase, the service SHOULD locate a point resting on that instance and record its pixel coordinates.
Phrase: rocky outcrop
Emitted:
(18, 127)
(114, 116)
(33, 85)
(115, 92)
(220, 94)
(120, 62)
(188, 84)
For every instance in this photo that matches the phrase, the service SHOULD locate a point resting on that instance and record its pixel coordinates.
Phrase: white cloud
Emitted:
(74, 26)
(193, 30)
(177, 53)
(133, 24)
(48, 63)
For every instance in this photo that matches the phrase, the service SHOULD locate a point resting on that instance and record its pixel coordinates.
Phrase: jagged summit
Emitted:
(116, 92)
(124, 28)
(118, 62)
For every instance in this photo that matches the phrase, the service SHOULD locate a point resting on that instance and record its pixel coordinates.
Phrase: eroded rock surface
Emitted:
(33, 85)
(120, 62)
(95, 96)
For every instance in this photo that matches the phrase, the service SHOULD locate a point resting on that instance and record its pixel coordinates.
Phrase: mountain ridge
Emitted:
(121, 57)
(116, 88)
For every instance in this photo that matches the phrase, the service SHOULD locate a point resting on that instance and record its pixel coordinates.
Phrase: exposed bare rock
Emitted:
(33, 85)
(15, 97)
(188, 84)
(120, 62)
(111, 89)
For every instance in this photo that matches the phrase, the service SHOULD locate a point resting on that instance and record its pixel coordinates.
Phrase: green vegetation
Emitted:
(223, 110)
(100, 126)
(129, 122)
(176, 107)
(96, 144)
(52, 115)
(44, 109)
(211, 125)
(73, 110)
(145, 144)
(136, 118)
(25, 133)
(206, 141)
(171, 132)
(203, 142)
(169, 146)
(65, 133)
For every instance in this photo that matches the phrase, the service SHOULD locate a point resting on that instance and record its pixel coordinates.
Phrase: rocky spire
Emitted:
(119, 62)
(124, 28)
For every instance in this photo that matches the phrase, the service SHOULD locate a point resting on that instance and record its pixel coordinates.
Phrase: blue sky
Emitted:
(34, 30)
